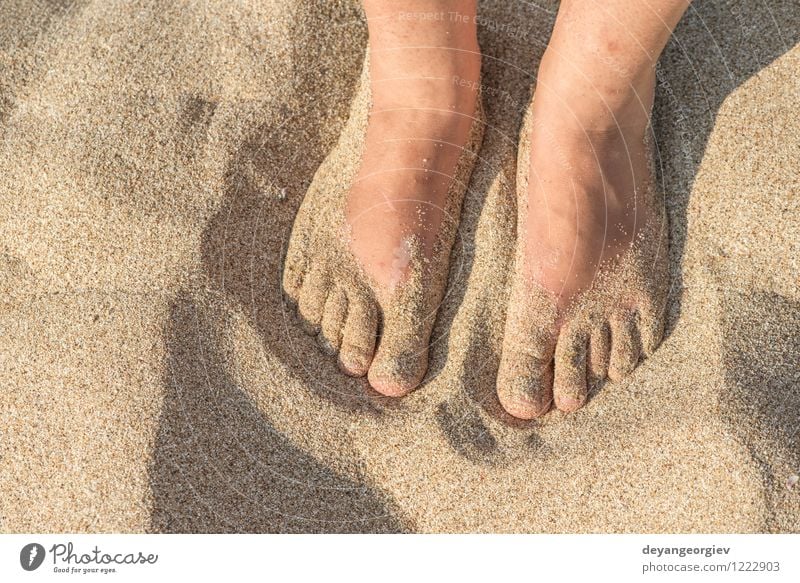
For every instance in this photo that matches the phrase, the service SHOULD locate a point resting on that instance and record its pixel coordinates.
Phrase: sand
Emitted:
(152, 158)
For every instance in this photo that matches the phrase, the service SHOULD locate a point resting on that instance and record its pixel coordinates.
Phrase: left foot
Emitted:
(590, 276)
(370, 249)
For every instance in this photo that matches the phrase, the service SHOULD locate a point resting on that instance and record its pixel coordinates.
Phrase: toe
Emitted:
(525, 378)
(599, 352)
(333, 318)
(525, 384)
(292, 284)
(358, 335)
(651, 325)
(300, 251)
(402, 357)
(569, 383)
(311, 304)
(625, 346)
(293, 271)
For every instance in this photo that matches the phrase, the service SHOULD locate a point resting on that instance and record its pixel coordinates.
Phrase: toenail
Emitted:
(393, 387)
(569, 404)
(522, 408)
(353, 364)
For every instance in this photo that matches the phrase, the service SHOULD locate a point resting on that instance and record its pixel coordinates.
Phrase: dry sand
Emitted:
(152, 158)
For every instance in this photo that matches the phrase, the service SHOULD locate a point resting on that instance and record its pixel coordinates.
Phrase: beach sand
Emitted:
(153, 155)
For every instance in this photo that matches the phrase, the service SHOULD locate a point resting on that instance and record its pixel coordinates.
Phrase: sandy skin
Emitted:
(368, 276)
(590, 276)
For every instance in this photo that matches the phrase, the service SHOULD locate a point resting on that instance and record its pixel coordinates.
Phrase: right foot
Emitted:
(590, 278)
(376, 255)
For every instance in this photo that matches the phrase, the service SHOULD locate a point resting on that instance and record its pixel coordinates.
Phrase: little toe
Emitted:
(625, 345)
(402, 357)
(294, 270)
(569, 383)
(359, 334)
(333, 318)
(599, 352)
(651, 325)
(292, 284)
(311, 304)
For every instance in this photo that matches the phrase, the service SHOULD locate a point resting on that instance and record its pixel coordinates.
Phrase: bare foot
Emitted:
(368, 258)
(590, 275)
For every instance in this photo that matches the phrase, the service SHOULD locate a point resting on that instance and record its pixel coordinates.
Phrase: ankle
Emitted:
(596, 93)
(451, 85)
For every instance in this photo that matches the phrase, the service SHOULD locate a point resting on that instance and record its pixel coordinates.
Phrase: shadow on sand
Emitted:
(218, 464)
(220, 467)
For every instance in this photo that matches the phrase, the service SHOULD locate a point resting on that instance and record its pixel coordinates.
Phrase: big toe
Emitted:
(527, 396)
(402, 357)
(525, 378)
